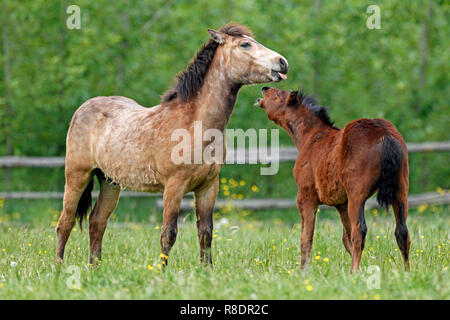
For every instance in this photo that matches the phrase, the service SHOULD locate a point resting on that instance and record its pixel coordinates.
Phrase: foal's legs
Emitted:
(173, 194)
(76, 182)
(105, 205)
(400, 207)
(307, 209)
(205, 199)
(347, 232)
(359, 229)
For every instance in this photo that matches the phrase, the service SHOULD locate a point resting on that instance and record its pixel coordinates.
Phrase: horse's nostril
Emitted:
(283, 65)
(264, 89)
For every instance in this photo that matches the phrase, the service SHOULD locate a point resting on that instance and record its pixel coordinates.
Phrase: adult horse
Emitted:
(128, 146)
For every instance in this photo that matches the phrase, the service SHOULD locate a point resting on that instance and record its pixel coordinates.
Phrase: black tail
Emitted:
(85, 203)
(391, 160)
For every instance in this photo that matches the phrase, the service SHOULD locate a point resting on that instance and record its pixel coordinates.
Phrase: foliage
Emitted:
(136, 48)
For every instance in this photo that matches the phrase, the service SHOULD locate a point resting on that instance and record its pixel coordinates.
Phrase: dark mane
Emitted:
(190, 80)
(312, 105)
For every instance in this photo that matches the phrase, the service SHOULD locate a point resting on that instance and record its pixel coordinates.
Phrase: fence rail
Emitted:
(285, 154)
(430, 198)
(187, 203)
(252, 155)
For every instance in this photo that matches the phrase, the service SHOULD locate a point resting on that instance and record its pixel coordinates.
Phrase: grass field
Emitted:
(255, 256)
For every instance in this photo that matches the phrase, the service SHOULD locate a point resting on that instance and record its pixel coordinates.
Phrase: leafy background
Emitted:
(135, 48)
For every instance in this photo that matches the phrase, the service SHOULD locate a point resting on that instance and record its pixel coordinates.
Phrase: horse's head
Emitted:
(276, 102)
(247, 61)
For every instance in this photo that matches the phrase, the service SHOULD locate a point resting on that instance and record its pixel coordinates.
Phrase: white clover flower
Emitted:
(13, 264)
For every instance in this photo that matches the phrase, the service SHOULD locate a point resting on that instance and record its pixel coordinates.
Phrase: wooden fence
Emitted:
(251, 155)
(285, 154)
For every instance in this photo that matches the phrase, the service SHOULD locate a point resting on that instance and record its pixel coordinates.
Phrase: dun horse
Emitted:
(342, 168)
(128, 146)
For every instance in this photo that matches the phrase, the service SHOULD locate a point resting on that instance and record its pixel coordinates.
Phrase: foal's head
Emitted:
(276, 103)
(246, 60)
(282, 106)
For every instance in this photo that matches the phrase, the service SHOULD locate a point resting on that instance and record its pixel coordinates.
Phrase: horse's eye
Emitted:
(245, 45)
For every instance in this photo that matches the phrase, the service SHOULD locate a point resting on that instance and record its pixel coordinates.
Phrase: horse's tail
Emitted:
(391, 161)
(85, 203)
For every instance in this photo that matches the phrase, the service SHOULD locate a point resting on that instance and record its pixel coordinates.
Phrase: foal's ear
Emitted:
(293, 98)
(217, 36)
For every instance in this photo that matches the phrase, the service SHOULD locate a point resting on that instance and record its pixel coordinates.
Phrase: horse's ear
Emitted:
(217, 36)
(293, 98)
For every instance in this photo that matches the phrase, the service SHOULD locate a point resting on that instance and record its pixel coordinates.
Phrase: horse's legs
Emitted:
(105, 205)
(76, 182)
(307, 209)
(400, 207)
(173, 194)
(347, 230)
(205, 199)
(359, 229)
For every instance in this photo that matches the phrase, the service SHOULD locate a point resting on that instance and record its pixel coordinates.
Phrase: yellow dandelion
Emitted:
(378, 237)
(226, 193)
(309, 288)
(149, 267)
(242, 183)
(440, 190)
(422, 207)
(4, 250)
(325, 259)
(255, 188)
(317, 257)
(377, 297)
(157, 227)
(223, 180)
(215, 236)
(422, 237)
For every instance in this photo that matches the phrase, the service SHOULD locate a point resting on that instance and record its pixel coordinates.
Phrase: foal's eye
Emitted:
(245, 45)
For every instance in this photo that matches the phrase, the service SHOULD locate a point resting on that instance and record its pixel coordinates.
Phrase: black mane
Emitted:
(190, 80)
(321, 112)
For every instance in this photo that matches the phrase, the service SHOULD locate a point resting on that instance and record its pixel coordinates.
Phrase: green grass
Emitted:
(255, 256)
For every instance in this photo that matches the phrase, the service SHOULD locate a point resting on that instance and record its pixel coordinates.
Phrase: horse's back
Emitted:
(367, 132)
(361, 148)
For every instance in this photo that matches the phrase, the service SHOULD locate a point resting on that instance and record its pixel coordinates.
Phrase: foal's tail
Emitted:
(391, 160)
(85, 203)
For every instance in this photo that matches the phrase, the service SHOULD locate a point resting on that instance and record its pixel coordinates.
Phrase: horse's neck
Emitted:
(215, 100)
(302, 126)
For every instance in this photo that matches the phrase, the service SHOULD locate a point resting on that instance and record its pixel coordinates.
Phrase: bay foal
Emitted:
(128, 146)
(342, 168)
